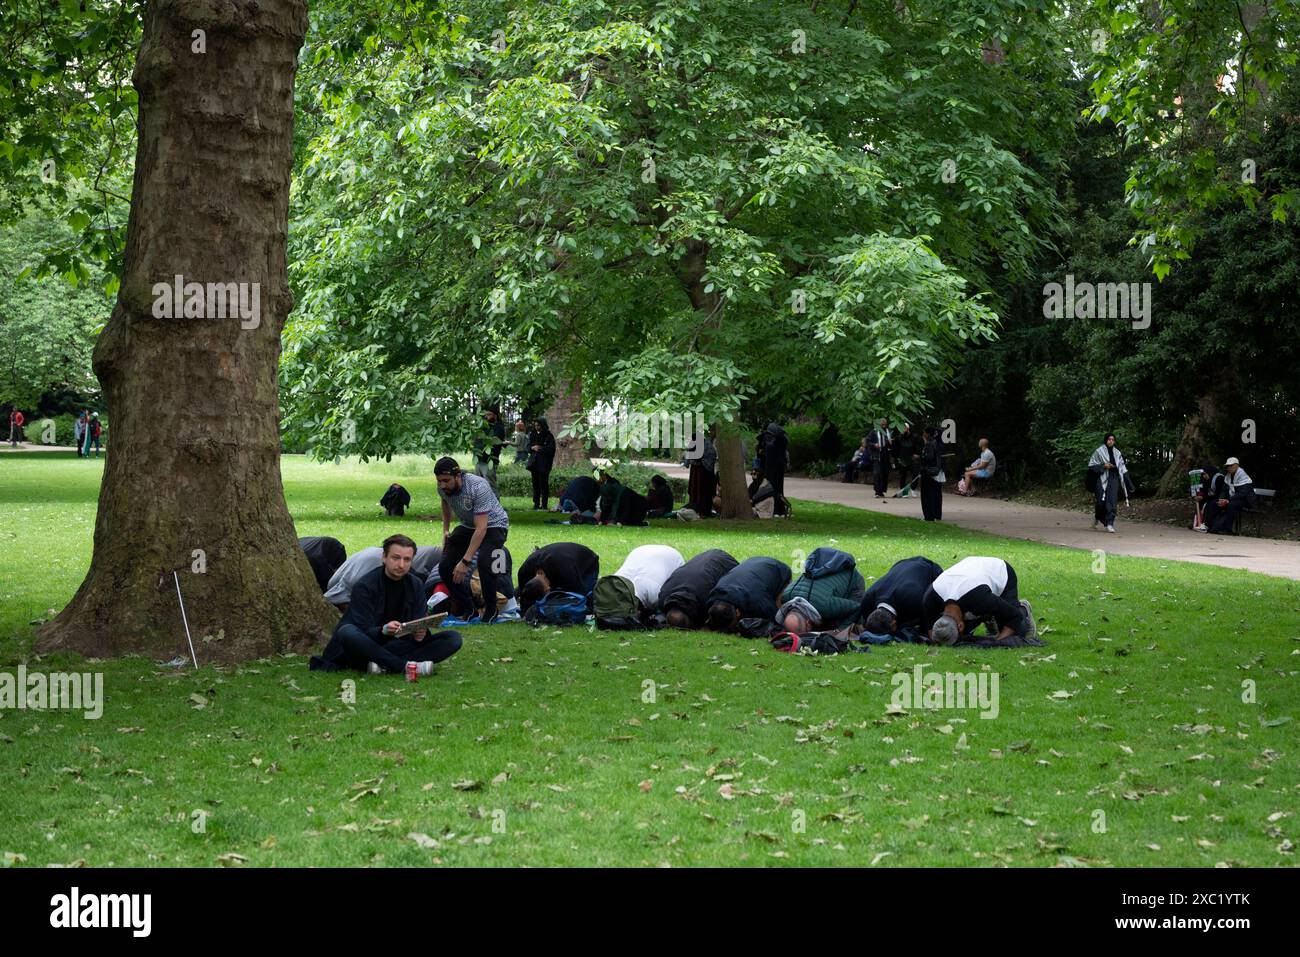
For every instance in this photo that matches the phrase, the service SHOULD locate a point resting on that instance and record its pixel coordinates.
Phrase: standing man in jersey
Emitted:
(482, 533)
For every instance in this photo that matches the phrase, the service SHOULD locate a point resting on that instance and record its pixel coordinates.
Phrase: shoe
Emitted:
(1111, 529)
(1095, 524)
(1202, 528)
(507, 616)
(374, 669)
(1032, 630)
(424, 668)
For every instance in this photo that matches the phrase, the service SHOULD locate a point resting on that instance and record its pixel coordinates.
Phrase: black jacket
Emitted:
(568, 565)
(753, 587)
(545, 456)
(326, 556)
(366, 611)
(688, 588)
(903, 588)
(583, 491)
(932, 458)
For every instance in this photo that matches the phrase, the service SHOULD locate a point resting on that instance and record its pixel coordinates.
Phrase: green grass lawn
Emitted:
(1126, 741)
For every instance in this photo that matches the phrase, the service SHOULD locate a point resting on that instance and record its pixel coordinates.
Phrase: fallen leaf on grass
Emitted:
(232, 859)
(646, 786)
(468, 784)
(423, 840)
(199, 702)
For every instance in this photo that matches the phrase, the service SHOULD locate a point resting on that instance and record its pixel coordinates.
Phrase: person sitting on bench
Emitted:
(975, 590)
(381, 601)
(983, 467)
(896, 599)
(1207, 486)
(683, 596)
(559, 566)
(1221, 513)
(750, 590)
(828, 595)
(856, 463)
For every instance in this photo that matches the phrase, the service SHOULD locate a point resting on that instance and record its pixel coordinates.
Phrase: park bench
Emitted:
(1264, 497)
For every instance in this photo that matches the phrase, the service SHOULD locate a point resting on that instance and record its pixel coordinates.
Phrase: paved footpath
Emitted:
(1058, 526)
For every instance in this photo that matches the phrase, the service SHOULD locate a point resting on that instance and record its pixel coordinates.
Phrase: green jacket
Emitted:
(837, 597)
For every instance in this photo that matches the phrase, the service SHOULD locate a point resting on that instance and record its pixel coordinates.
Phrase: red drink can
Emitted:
(412, 671)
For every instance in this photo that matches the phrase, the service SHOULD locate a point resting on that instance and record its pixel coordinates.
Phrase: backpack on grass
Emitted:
(558, 607)
(615, 604)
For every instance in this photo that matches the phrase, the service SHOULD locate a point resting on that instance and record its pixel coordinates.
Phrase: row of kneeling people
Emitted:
(916, 599)
(380, 589)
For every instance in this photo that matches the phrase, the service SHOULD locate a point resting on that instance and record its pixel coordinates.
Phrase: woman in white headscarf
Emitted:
(1107, 474)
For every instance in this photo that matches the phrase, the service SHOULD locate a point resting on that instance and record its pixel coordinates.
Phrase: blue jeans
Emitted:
(359, 649)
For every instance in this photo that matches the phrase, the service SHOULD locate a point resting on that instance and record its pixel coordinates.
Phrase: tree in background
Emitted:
(681, 204)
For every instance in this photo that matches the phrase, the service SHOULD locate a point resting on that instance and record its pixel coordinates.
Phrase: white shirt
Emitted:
(970, 573)
(1241, 478)
(648, 567)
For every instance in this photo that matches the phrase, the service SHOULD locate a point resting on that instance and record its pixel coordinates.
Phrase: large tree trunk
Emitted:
(1191, 449)
(563, 411)
(732, 486)
(195, 458)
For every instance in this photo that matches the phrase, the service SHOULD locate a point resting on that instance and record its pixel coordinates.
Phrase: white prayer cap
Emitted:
(1232, 461)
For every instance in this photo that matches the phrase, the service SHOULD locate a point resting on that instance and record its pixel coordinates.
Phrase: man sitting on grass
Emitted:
(381, 601)
(979, 589)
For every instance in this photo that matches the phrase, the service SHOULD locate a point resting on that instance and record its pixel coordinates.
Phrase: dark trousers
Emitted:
(541, 489)
(1105, 503)
(703, 486)
(904, 474)
(1012, 596)
(778, 492)
(359, 649)
(931, 499)
(1221, 521)
(880, 473)
(462, 596)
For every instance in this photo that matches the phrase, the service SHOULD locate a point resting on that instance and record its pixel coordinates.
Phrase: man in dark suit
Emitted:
(879, 442)
(380, 602)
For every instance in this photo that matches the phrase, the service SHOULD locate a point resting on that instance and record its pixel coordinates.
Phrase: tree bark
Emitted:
(732, 486)
(192, 479)
(1191, 448)
(565, 409)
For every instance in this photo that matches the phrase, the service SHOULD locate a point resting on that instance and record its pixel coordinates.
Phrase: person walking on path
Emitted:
(1107, 474)
(16, 421)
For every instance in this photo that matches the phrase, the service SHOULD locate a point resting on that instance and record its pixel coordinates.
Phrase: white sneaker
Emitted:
(1111, 529)
(1202, 528)
(1095, 524)
(374, 669)
(424, 668)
